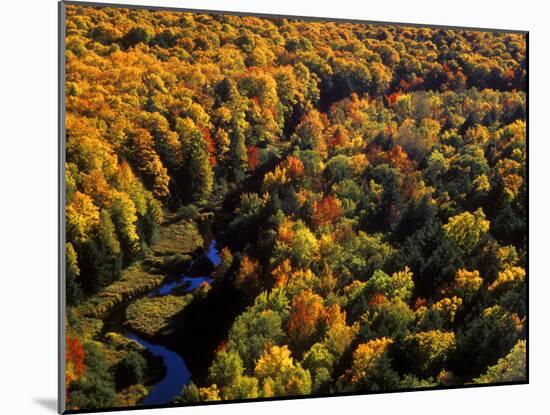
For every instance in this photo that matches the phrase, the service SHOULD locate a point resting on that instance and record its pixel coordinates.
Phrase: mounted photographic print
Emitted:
(258, 207)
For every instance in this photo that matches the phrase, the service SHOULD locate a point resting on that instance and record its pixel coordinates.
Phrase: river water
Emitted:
(177, 373)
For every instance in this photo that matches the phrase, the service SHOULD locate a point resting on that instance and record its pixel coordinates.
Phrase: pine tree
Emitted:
(110, 254)
(198, 174)
(73, 289)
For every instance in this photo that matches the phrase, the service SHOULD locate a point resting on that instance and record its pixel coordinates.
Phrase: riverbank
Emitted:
(174, 248)
(168, 305)
(101, 319)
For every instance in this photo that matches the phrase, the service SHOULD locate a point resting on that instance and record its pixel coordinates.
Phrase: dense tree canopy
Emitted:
(368, 186)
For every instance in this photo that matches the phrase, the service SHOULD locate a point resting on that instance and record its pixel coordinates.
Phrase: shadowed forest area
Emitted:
(275, 207)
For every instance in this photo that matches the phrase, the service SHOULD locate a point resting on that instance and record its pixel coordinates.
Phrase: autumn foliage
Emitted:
(253, 157)
(305, 316)
(74, 356)
(327, 210)
(365, 186)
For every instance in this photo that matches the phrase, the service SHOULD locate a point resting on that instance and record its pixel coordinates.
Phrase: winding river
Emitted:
(177, 373)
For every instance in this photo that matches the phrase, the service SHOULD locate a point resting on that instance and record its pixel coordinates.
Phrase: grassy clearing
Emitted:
(135, 280)
(150, 316)
(169, 254)
(177, 238)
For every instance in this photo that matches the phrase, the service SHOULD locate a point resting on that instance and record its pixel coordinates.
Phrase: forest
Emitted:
(264, 207)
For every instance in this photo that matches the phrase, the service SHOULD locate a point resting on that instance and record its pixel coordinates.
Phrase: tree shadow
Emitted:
(48, 403)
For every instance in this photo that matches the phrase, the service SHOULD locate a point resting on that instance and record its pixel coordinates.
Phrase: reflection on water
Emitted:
(186, 283)
(177, 374)
(213, 253)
